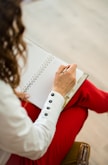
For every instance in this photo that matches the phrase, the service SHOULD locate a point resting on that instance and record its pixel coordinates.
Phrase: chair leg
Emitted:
(78, 155)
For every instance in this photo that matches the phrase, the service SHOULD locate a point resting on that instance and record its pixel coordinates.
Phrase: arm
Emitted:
(18, 134)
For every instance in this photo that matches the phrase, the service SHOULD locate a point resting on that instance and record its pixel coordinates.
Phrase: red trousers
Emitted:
(69, 124)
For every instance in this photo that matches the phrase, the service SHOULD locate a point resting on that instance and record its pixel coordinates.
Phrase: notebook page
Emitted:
(36, 58)
(40, 72)
(41, 88)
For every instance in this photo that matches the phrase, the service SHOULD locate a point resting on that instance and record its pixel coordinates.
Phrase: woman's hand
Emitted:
(65, 79)
(22, 95)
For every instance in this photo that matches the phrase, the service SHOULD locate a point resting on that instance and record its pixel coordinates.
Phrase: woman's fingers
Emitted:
(22, 95)
(65, 78)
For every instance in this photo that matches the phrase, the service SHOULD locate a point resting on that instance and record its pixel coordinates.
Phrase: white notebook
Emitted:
(38, 77)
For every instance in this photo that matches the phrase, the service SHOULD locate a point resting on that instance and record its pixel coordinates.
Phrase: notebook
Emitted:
(38, 77)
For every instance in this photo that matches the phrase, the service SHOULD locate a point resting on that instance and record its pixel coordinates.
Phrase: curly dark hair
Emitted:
(12, 45)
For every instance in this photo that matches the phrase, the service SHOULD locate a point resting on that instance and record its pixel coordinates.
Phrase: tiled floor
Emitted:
(77, 31)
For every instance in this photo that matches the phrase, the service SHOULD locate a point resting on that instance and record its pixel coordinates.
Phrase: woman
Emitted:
(28, 135)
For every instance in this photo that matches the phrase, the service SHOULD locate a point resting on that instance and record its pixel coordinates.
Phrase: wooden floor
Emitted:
(77, 31)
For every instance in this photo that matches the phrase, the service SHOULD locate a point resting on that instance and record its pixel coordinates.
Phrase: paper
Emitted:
(37, 80)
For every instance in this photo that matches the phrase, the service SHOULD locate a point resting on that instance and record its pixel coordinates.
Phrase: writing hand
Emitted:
(65, 79)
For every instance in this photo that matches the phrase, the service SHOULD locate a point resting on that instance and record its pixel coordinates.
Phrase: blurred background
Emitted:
(77, 32)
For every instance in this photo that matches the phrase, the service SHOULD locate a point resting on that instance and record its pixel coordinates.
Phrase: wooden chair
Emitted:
(78, 155)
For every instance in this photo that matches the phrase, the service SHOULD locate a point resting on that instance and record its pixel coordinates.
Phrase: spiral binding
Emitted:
(36, 76)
